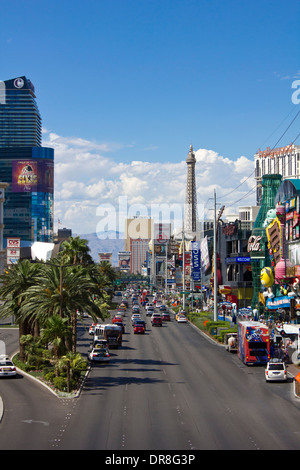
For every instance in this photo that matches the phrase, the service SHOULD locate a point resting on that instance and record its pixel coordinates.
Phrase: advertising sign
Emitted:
(196, 261)
(13, 250)
(205, 261)
(105, 257)
(13, 242)
(278, 302)
(124, 260)
(162, 233)
(32, 176)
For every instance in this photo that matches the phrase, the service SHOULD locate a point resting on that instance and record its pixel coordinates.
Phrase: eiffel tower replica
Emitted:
(191, 221)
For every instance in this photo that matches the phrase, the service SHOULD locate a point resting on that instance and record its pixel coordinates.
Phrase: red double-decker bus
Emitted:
(253, 342)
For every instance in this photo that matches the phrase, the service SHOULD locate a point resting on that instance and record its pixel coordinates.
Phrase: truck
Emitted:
(253, 342)
(111, 332)
(230, 341)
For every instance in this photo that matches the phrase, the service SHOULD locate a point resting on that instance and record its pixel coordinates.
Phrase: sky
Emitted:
(124, 88)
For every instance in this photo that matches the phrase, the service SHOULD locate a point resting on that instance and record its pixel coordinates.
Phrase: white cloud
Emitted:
(86, 178)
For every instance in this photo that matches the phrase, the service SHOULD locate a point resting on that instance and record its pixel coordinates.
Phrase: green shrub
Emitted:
(60, 383)
(49, 376)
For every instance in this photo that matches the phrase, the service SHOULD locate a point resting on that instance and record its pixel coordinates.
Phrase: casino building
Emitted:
(25, 165)
(282, 160)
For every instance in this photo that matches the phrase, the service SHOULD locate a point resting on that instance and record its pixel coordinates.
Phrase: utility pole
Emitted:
(215, 259)
(183, 266)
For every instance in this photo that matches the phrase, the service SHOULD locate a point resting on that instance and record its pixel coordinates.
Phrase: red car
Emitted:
(138, 328)
(166, 316)
(117, 319)
(156, 320)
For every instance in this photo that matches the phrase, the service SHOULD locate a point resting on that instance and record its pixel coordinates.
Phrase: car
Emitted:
(139, 327)
(150, 311)
(92, 329)
(135, 316)
(275, 370)
(181, 319)
(179, 313)
(7, 367)
(156, 319)
(100, 343)
(139, 321)
(135, 309)
(166, 316)
(99, 355)
(149, 305)
(162, 308)
(117, 318)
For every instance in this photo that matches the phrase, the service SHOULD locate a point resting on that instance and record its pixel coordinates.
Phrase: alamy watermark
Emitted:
(114, 218)
(2, 348)
(296, 94)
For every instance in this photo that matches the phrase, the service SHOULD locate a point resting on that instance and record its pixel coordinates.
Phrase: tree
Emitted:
(15, 282)
(56, 329)
(75, 250)
(106, 268)
(73, 364)
(57, 294)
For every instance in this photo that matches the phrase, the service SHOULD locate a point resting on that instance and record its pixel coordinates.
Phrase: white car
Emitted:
(181, 319)
(149, 305)
(7, 367)
(150, 311)
(135, 315)
(99, 355)
(276, 370)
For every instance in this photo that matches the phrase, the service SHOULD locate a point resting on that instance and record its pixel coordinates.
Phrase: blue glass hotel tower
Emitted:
(25, 164)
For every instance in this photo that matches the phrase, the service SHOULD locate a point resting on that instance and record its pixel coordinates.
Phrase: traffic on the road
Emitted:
(155, 382)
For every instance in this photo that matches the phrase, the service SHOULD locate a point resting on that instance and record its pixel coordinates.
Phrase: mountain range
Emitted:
(105, 242)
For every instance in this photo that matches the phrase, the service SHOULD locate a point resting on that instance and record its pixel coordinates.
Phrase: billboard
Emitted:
(105, 257)
(32, 176)
(124, 260)
(196, 261)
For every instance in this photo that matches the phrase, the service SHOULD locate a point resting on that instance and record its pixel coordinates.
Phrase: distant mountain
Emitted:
(105, 242)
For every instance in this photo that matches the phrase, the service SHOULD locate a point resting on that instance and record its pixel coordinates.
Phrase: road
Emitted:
(171, 388)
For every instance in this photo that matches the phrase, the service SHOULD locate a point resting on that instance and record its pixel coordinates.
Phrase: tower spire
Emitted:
(190, 212)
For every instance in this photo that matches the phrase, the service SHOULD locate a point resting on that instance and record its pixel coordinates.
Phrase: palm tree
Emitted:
(56, 329)
(61, 295)
(75, 250)
(73, 364)
(106, 268)
(15, 282)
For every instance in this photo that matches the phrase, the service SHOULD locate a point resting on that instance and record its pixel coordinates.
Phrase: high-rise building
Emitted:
(20, 120)
(138, 232)
(25, 165)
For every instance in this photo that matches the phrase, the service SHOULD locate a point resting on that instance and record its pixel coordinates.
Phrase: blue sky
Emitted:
(138, 81)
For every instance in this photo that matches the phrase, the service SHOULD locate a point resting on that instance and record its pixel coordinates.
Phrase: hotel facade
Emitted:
(284, 161)
(25, 165)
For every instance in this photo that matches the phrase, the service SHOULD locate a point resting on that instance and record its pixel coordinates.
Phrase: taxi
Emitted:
(7, 367)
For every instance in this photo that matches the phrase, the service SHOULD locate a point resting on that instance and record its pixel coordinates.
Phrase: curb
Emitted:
(1, 409)
(57, 394)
